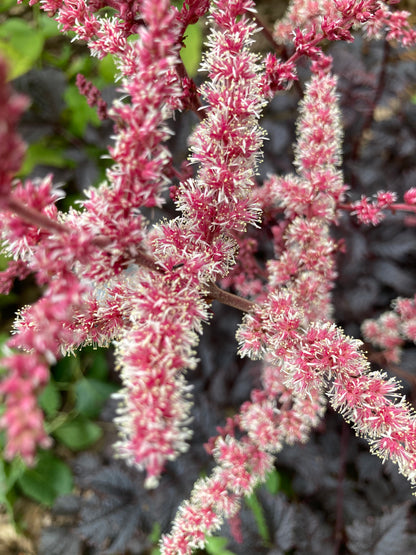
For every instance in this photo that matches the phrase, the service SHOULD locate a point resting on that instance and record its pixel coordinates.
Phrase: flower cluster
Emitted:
(392, 329)
(93, 96)
(304, 251)
(226, 145)
(109, 276)
(155, 403)
(371, 212)
(335, 19)
(11, 146)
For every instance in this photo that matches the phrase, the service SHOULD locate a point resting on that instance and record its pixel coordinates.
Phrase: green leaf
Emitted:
(273, 482)
(47, 26)
(50, 399)
(107, 69)
(86, 65)
(80, 114)
(66, 369)
(191, 51)
(78, 433)
(91, 395)
(4, 502)
(4, 337)
(257, 510)
(6, 5)
(70, 201)
(20, 44)
(60, 61)
(216, 545)
(4, 261)
(9, 474)
(14, 470)
(42, 153)
(50, 478)
(11, 298)
(154, 535)
(97, 365)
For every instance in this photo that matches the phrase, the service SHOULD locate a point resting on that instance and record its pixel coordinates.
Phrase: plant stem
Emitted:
(34, 217)
(38, 219)
(218, 294)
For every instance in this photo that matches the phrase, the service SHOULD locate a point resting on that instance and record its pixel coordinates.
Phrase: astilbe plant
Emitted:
(108, 275)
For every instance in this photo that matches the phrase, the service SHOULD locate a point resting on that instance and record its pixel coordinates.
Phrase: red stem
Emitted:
(32, 216)
(38, 219)
(215, 293)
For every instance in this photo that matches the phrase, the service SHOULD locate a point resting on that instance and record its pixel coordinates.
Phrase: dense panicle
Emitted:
(114, 272)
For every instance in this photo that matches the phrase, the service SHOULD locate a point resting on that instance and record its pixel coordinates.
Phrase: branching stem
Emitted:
(33, 217)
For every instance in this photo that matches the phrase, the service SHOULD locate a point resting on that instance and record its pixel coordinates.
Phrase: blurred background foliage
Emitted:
(329, 496)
